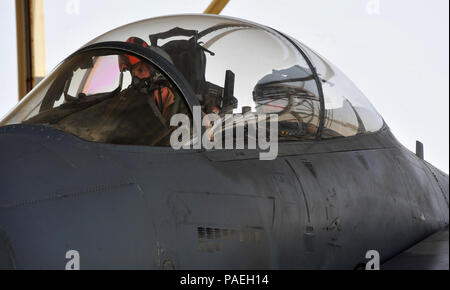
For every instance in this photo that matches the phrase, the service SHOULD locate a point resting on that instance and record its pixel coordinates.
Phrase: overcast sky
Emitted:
(396, 51)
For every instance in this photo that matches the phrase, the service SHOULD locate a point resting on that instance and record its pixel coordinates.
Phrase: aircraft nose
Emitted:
(26, 165)
(59, 195)
(9, 150)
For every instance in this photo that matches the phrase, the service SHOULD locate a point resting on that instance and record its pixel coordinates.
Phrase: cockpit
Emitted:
(126, 85)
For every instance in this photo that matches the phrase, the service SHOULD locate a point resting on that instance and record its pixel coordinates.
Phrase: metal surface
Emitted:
(127, 207)
(23, 30)
(430, 254)
(38, 54)
(216, 7)
(419, 150)
(30, 44)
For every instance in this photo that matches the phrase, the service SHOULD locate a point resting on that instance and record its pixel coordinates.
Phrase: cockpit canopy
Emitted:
(224, 65)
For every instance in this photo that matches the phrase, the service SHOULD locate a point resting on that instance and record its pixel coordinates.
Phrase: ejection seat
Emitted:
(189, 57)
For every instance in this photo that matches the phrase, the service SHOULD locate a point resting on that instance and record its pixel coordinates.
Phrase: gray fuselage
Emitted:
(319, 205)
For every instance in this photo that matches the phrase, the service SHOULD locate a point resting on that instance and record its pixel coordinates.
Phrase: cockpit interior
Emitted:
(127, 95)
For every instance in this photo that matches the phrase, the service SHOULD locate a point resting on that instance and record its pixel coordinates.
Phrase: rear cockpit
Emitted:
(224, 65)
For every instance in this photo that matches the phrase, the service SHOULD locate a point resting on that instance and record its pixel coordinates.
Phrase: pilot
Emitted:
(147, 80)
(137, 115)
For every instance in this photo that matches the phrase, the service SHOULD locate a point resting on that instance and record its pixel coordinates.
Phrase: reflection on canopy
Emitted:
(90, 97)
(233, 67)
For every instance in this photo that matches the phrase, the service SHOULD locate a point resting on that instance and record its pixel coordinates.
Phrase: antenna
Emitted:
(419, 150)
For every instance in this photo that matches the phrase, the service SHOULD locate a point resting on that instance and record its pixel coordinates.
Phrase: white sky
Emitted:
(396, 52)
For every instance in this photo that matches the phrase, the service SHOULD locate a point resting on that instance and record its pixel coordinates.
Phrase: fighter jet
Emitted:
(90, 177)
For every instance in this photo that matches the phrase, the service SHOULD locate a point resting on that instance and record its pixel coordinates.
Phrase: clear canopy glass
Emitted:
(93, 97)
(232, 66)
(347, 110)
